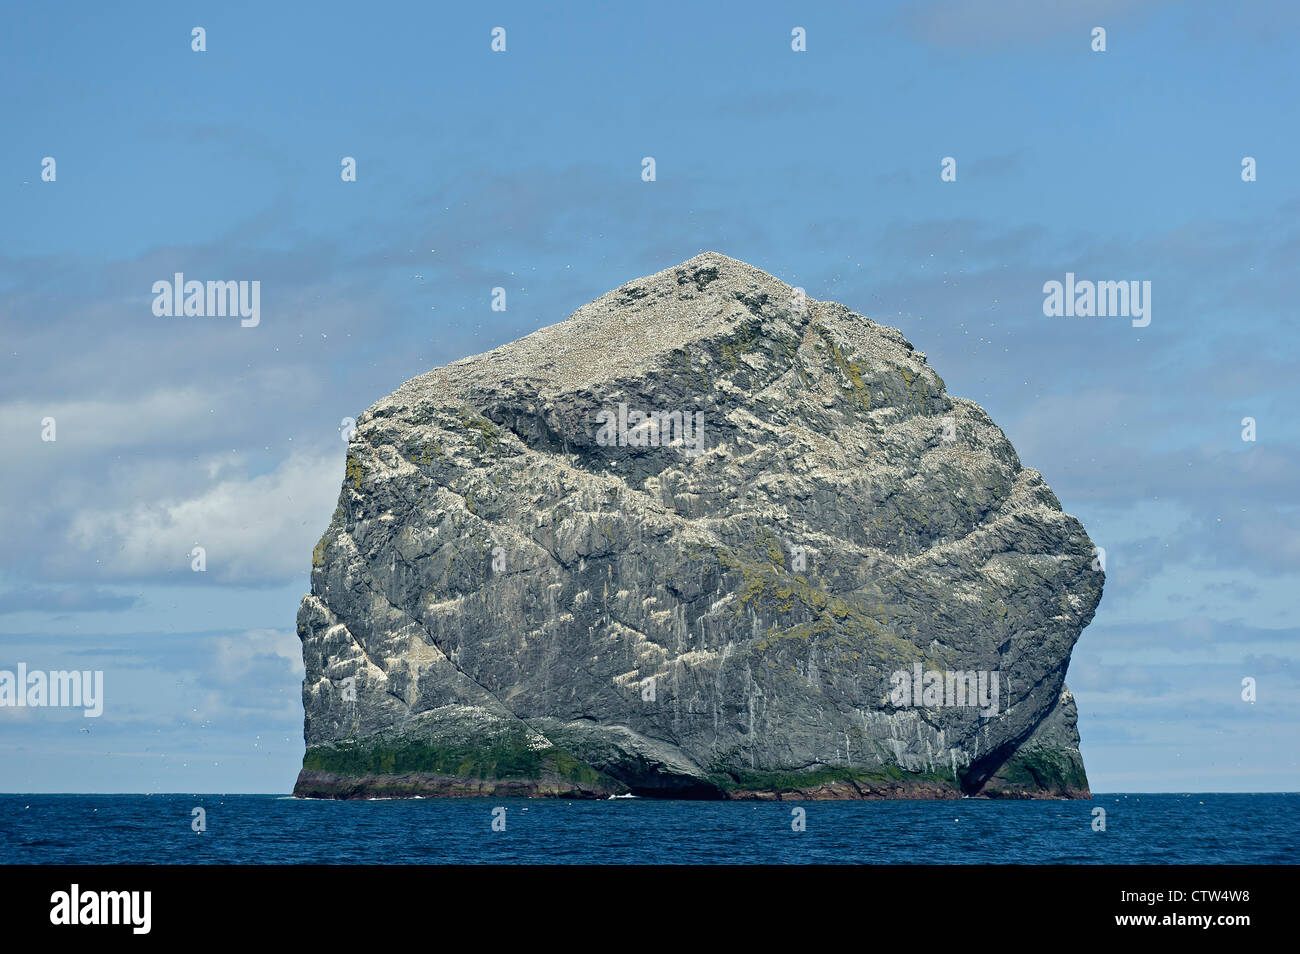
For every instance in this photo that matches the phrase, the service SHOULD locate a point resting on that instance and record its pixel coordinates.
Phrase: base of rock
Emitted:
(1039, 774)
(312, 784)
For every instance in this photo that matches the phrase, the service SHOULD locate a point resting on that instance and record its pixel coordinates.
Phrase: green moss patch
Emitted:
(1048, 770)
(503, 757)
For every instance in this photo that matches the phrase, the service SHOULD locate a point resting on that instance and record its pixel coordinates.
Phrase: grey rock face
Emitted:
(528, 587)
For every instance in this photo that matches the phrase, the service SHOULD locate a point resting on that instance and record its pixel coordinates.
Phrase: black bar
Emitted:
(978, 904)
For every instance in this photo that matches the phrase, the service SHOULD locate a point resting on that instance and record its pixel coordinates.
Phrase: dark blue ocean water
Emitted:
(256, 829)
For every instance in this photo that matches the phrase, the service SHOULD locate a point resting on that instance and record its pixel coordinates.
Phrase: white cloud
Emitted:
(91, 425)
(257, 529)
(1010, 22)
(239, 659)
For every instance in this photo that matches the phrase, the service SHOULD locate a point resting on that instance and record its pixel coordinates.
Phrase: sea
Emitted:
(1133, 828)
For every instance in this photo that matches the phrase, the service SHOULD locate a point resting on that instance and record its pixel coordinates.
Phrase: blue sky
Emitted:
(522, 170)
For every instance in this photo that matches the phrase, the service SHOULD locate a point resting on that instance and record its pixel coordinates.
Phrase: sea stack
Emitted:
(683, 544)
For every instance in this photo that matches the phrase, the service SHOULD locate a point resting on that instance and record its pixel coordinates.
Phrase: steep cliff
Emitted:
(709, 538)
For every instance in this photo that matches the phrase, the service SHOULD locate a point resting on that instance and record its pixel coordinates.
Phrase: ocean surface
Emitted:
(269, 829)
